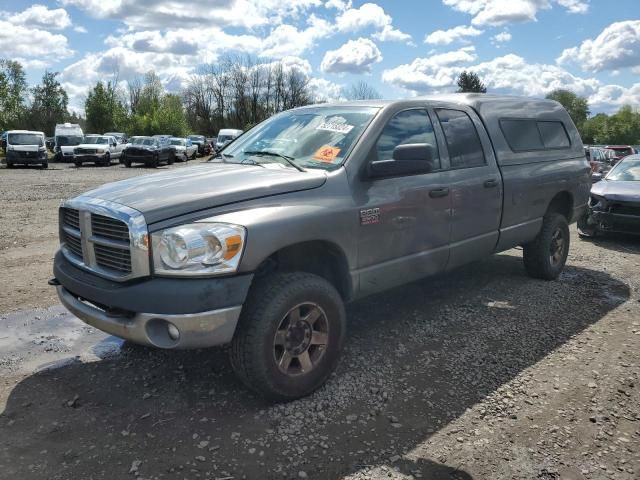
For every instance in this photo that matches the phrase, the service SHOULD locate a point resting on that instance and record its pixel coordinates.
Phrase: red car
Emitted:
(621, 151)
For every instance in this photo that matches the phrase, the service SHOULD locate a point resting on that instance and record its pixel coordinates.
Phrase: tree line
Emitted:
(235, 92)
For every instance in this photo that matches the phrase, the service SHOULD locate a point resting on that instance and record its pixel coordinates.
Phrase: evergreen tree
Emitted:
(470, 82)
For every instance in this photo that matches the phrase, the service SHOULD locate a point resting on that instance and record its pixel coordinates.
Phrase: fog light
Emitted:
(174, 333)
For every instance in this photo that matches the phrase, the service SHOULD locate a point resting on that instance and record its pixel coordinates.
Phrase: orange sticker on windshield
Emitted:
(327, 153)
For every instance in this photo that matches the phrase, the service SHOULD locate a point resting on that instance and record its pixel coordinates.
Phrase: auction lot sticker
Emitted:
(327, 153)
(335, 127)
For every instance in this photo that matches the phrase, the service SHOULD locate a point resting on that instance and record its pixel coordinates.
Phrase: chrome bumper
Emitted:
(195, 330)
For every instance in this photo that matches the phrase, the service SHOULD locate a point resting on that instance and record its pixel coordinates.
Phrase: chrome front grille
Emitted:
(106, 238)
(85, 151)
(109, 228)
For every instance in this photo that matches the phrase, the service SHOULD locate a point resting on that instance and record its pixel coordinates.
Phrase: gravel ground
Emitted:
(481, 373)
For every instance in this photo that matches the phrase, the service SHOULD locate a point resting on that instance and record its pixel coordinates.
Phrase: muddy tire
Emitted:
(290, 335)
(545, 257)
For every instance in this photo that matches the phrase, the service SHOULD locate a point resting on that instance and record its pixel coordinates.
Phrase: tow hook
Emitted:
(54, 282)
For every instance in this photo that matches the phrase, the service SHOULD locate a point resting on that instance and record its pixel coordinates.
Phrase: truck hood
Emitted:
(177, 192)
(617, 190)
(68, 148)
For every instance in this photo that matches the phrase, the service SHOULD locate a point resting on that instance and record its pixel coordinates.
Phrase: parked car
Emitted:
(97, 149)
(614, 205)
(317, 206)
(26, 147)
(183, 149)
(120, 137)
(50, 143)
(3, 140)
(67, 137)
(620, 151)
(203, 147)
(225, 136)
(149, 150)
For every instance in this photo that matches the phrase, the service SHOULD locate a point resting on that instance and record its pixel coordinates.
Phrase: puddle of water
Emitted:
(40, 339)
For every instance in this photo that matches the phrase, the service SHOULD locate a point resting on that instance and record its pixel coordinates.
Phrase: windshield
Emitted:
(25, 139)
(224, 138)
(196, 138)
(318, 137)
(148, 141)
(69, 140)
(95, 140)
(177, 142)
(136, 140)
(627, 171)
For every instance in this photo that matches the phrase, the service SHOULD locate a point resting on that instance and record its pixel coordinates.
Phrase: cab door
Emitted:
(475, 184)
(404, 220)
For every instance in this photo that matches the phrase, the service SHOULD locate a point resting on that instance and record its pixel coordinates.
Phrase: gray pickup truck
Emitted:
(313, 208)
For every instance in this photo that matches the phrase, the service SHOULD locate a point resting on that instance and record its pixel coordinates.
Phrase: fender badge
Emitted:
(369, 216)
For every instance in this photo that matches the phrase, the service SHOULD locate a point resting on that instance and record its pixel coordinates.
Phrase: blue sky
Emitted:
(400, 47)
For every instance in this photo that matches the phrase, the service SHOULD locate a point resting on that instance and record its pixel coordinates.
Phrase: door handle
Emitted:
(439, 192)
(492, 182)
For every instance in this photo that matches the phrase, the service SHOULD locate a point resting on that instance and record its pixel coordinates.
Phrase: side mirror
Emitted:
(596, 177)
(408, 159)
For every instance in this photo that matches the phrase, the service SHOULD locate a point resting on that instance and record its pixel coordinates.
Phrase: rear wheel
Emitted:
(107, 161)
(290, 335)
(546, 256)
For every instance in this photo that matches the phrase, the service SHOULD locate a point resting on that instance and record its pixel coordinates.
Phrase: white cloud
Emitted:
(506, 74)
(445, 37)
(617, 46)
(195, 13)
(287, 40)
(436, 71)
(355, 56)
(41, 44)
(80, 29)
(340, 5)
(575, 6)
(324, 89)
(370, 15)
(39, 16)
(501, 37)
(500, 12)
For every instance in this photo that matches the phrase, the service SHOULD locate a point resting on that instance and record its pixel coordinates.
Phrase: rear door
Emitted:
(405, 220)
(475, 184)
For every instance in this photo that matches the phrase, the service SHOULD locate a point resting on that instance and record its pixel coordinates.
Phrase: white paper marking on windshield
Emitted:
(335, 127)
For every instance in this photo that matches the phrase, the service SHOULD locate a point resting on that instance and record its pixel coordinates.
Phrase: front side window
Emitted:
(408, 127)
(463, 142)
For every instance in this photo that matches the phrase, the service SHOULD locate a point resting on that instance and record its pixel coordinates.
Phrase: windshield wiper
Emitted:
(267, 153)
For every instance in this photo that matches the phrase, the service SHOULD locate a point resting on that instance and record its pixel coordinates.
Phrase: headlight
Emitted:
(100, 150)
(597, 202)
(198, 249)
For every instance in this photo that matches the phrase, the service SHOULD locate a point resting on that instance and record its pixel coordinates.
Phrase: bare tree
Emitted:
(360, 91)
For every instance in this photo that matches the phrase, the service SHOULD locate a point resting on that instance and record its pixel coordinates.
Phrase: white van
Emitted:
(67, 137)
(225, 136)
(27, 148)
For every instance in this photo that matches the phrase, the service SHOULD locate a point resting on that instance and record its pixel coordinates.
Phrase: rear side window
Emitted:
(463, 142)
(407, 127)
(553, 135)
(527, 135)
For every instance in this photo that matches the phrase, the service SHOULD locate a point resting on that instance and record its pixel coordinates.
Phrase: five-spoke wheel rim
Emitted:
(557, 247)
(301, 339)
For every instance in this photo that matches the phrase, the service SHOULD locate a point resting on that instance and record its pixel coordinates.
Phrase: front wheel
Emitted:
(290, 335)
(171, 159)
(546, 256)
(127, 163)
(77, 164)
(45, 165)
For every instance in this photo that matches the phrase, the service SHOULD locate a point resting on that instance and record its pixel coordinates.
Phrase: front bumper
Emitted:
(614, 222)
(195, 330)
(204, 310)
(88, 157)
(30, 160)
